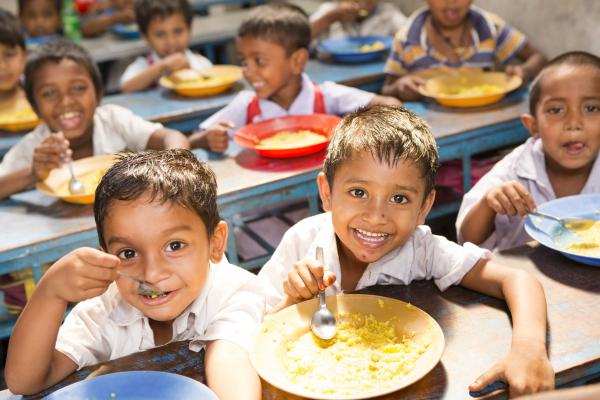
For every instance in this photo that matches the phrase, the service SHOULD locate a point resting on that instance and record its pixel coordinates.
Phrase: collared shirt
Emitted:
(339, 100)
(493, 42)
(423, 256)
(141, 63)
(525, 164)
(230, 307)
(385, 19)
(115, 129)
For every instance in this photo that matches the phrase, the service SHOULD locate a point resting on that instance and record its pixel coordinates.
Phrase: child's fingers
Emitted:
(496, 373)
(526, 196)
(226, 124)
(291, 291)
(506, 204)
(516, 200)
(328, 278)
(98, 258)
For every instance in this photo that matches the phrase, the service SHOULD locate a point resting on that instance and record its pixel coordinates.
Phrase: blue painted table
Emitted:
(476, 327)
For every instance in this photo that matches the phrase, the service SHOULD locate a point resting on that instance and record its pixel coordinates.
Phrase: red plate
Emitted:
(323, 124)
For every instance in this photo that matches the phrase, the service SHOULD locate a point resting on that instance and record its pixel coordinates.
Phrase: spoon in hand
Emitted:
(568, 223)
(75, 185)
(145, 288)
(323, 322)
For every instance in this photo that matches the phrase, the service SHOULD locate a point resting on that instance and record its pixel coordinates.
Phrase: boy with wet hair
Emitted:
(272, 43)
(377, 187)
(157, 218)
(560, 159)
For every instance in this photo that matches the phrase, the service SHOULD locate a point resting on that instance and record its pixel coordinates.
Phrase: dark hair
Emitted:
(55, 51)
(573, 58)
(389, 134)
(147, 10)
(57, 5)
(174, 176)
(11, 30)
(282, 23)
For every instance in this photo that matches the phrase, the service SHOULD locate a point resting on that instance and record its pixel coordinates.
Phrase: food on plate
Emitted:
(472, 90)
(589, 246)
(291, 140)
(378, 45)
(89, 179)
(191, 76)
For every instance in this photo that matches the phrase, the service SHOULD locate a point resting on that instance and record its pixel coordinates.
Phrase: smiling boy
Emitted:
(157, 218)
(166, 26)
(377, 187)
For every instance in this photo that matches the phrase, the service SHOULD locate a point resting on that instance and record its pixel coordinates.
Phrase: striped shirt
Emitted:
(493, 42)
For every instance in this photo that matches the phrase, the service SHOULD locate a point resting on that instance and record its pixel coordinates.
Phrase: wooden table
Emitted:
(476, 327)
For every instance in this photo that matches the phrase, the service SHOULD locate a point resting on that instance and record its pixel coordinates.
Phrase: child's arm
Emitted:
(93, 26)
(343, 11)
(165, 138)
(533, 61)
(214, 138)
(404, 88)
(32, 363)
(150, 75)
(509, 198)
(385, 100)
(229, 372)
(527, 368)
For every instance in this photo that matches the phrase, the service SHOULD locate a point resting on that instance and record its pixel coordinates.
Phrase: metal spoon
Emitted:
(75, 185)
(323, 322)
(570, 223)
(145, 288)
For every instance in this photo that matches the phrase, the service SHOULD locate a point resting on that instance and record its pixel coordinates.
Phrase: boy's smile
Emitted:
(374, 207)
(449, 14)
(165, 245)
(168, 35)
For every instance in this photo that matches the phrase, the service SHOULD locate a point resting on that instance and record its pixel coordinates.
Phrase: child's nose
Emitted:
(375, 212)
(154, 269)
(574, 121)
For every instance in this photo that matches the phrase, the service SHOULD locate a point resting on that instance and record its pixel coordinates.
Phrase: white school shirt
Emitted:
(140, 64)
(338, 99)
(423, 256)
(525, 164)
(115, 129)
(230, 307)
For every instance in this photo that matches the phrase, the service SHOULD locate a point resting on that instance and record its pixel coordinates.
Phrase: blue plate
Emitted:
(129, 31)
(135, 385)
(347, 49)
(552, 235)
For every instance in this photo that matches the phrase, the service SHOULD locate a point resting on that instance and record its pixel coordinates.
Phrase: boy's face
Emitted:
(567, 117)
(269, 69)
(168, 35)
(375, 207)
(449, 13)
(165, 245)
(66, 99)
(12, 62)
(40, 18)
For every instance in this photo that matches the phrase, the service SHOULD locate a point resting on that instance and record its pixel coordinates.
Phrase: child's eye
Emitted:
(79, 88)
(592, 108)
(358, 193)
(554, 110)
(399, 199)
(48, 93)
(126, 254)
(261, 62)
(175, 246)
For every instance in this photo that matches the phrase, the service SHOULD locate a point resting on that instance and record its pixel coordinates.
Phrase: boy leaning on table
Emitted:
(272, 43)
(157, 218)
(560, 159)
(377, 189)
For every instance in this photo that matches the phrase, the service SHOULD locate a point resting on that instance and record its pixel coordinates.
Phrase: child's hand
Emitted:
(346, 11)
(49, 155)
(175, 62)
(517, 70)
(526, 370)
(306, 278)
(510, 198)
(126, 16)
(408, 87)
(217, 137)
(82, 274)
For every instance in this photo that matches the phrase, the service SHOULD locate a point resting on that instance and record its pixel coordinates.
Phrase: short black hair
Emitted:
(11, 30)
(389, 134)
(147, 10)
(55, 51)
(281, 23)
(57, 5)
(169, 176)
(573, 58)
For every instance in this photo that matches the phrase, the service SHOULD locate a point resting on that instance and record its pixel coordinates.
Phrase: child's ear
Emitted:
(530, 124)
(299, 59)
(218, 242)
(324, 191)
(426, 207)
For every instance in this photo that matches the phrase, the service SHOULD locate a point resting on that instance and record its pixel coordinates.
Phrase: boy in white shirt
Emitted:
(377, 187)
(560, 159)
(157, 219)
(166, 25)
(272, 43)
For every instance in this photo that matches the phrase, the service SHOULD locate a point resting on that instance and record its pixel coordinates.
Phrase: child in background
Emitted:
(41, 19)
(12, 61)
(166, 26)
(64, 87)
(157, 218)
(98, 20)
(377, 189)
(453, 34)
(336, 19)
(560, 159)
(272, 43)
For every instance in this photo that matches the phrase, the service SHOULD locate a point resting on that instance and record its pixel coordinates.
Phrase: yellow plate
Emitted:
(292, 322)
(221, 78)
(89, 170)
(442, 88)
(18, 116)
